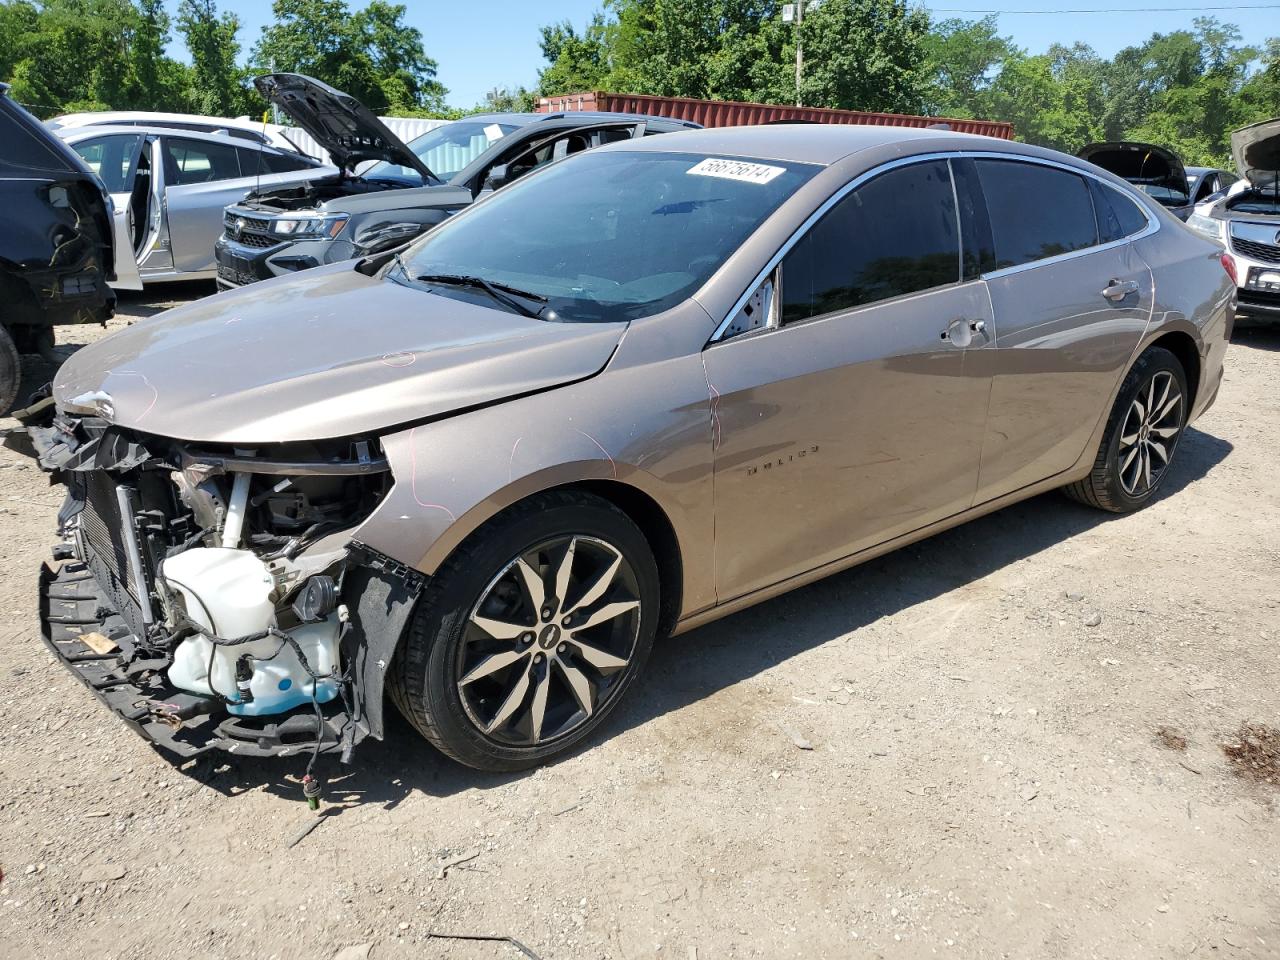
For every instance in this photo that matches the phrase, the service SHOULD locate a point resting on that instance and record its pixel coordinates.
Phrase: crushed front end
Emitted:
(215, 598)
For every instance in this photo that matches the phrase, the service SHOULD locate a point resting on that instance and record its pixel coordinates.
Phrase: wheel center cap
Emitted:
(549, 636)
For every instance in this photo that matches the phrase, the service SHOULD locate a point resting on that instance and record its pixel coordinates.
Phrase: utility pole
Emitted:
(800, 4)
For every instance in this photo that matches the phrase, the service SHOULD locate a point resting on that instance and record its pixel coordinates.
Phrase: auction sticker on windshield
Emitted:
(736, 170)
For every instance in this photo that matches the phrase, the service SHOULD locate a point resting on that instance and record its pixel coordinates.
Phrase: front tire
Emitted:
(530, 634)
(1141, 437)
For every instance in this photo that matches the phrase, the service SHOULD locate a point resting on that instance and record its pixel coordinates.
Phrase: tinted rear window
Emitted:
(893, 235)
(1036, 211)
(1132, 220)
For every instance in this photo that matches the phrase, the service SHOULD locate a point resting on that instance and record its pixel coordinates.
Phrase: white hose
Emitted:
(234, 523)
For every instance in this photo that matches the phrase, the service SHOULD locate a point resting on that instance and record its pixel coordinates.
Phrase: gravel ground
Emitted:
(996, 767)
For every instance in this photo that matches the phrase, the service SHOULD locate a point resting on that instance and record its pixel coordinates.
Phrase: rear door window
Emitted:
(201, 161)
(253, 162)
(1036, 211)
(894, 235)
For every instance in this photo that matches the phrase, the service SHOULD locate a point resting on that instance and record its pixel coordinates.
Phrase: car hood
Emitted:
(1139, 163)
(339, 122)
(1256, 152)
(327, 353)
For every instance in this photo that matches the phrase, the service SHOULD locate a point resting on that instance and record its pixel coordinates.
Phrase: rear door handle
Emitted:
(1119, 289)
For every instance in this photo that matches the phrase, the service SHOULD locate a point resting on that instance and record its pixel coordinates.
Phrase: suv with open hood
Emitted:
(1154, 170)
(408, 189)
(1246, 218)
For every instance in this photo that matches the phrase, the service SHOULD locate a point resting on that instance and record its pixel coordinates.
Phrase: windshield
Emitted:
(607, 236)
(446, 149)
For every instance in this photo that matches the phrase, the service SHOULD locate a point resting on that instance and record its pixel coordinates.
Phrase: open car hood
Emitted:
(1143, 165)
(339, 122)
(327, 353)
(1256, 152)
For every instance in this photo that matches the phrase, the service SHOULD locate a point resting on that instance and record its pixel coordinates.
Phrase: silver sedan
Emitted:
(169, 188)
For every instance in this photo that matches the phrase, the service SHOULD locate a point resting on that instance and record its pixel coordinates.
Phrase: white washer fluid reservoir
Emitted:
(227, 592)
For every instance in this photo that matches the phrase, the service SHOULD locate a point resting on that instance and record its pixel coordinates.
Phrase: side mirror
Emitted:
(498, 176)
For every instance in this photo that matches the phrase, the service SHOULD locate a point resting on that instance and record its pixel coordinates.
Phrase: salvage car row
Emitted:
(479, 474)
(205, 197)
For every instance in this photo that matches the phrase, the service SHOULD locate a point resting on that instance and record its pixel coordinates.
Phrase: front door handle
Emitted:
(1119, 289)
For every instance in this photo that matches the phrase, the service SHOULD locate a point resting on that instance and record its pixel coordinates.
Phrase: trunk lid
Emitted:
(327, 353)
(1156, 171)
(339, 122)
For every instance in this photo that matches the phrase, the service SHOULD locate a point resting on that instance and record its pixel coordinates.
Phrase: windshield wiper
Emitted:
(501, 292)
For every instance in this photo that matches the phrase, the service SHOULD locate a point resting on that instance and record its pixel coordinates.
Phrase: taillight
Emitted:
(1229, 265)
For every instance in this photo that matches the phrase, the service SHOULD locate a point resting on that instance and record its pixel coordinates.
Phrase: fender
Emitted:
(454, 474)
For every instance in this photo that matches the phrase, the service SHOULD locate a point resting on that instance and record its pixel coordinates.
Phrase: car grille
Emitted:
(105, 549)
(1257, 251)
(249, 231)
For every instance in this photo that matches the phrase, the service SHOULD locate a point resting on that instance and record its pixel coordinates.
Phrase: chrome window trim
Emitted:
(1152, 227)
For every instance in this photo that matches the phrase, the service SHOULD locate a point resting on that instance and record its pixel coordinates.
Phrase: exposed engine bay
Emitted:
(313, 193)
(209, 595)
(1255, 200)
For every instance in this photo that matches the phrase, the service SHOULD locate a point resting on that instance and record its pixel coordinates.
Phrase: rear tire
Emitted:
(1141, 437)
(501, 673)
(10, 371)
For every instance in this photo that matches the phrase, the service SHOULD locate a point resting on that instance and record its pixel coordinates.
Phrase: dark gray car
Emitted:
(411, 188)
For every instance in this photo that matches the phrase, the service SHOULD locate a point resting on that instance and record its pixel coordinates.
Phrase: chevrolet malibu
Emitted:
(645, 387)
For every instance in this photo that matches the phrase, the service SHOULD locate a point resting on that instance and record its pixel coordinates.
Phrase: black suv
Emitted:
(409, 189)
(56, 251)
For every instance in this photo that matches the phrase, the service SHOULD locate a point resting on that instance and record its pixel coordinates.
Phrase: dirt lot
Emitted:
(996, 719)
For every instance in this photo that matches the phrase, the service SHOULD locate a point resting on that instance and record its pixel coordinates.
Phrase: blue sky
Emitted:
(486, 43)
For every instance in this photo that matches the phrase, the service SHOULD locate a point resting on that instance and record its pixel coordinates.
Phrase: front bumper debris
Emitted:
(136, 689)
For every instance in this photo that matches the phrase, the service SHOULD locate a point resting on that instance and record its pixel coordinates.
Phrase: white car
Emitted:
(169, 188)
(1245, 219)
(242, 128)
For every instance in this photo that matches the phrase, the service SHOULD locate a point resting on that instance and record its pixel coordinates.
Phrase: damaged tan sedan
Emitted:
(645, 387)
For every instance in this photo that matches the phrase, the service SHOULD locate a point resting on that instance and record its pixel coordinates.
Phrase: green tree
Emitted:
(370, 54)
(216, 83)
(713, 49)
(962, 59)
(154, 81)
(1042, 107)
(576, 62)
(865, 55)
(507, 100)
(1196, 78)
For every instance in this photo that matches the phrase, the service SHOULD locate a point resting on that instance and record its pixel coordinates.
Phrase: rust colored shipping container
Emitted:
(732, 113)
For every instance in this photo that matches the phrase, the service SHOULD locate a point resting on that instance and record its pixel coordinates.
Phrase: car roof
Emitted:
(135, 118)
(586, 117)
(519, 119)
(818, 143)
(76, 134)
